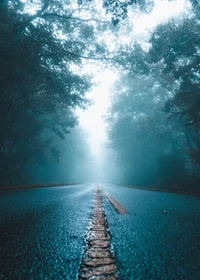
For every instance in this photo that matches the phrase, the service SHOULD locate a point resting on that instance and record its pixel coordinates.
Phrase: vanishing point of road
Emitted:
(102, 231)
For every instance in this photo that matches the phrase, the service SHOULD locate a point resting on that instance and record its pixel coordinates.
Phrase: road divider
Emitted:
(98, 262)
(116, 205)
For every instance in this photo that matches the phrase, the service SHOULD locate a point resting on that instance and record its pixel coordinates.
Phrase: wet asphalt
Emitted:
(150, 244)
(43, 233)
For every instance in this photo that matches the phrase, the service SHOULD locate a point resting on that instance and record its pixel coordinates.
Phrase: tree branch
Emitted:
(71, 18)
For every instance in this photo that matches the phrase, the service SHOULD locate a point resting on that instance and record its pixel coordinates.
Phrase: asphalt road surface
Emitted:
(43, 232)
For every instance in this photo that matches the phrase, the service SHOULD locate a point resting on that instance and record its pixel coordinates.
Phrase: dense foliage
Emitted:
(38, 91)
(154, 119)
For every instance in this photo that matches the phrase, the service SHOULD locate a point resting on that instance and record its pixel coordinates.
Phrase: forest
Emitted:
(153, 120)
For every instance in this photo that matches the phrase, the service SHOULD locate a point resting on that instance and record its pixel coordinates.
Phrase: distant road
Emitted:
(43, 232)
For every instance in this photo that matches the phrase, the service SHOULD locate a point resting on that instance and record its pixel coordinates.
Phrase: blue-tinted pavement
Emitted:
(153, 245)
(42, 231)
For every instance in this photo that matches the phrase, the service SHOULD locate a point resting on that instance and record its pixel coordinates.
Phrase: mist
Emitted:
(99, 139)
(108, 97)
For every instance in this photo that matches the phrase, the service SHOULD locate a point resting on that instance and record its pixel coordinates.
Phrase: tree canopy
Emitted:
(153, 121)
(154, 116)
(39, 89)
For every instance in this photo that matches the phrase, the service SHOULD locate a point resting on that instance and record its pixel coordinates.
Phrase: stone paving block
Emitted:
(98, 220)
(98, 216)
(98, 253)
(104, 278)
(98, 228)
(100, 270)
(99, 243)
(98, 235)
(98, 209)
(97, 262)
(86, 277)
(101, 223)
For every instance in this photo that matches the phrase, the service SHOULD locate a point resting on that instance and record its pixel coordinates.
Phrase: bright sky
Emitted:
(92, 118)
(162, 11)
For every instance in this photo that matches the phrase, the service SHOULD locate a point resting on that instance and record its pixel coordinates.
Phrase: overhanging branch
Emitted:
(45, 15)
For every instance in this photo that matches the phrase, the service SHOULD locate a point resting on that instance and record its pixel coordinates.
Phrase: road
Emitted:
(43, 232)
(153, 245)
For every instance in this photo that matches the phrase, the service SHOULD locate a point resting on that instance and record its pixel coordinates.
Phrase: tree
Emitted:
(162, 112)
(133, 127)
(177, 44)
(37, 88)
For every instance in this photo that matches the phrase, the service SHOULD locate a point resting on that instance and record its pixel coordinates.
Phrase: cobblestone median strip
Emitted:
(98, 262)
(117, 206)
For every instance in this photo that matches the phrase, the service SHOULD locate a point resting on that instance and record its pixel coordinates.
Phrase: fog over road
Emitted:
(43, 232)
